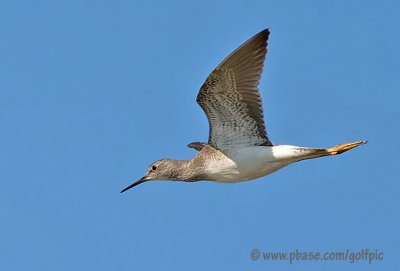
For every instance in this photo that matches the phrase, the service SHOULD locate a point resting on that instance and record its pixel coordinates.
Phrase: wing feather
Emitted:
(231, 100)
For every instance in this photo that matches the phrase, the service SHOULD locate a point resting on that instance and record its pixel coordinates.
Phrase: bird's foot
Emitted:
(338, 149)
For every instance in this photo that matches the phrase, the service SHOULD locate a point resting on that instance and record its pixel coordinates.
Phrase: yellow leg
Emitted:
(338, 149)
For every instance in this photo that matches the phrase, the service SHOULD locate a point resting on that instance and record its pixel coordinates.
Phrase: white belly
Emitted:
(249, 163)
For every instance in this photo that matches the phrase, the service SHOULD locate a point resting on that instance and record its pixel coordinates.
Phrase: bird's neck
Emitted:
(186, 170)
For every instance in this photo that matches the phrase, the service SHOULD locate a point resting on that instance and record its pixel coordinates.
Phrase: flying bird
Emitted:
(238, 148)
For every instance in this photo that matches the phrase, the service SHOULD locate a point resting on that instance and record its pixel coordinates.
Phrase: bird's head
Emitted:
(159, 170)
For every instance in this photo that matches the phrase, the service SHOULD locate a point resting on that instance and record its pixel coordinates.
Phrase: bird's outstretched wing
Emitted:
(198, 146)
(231, 100)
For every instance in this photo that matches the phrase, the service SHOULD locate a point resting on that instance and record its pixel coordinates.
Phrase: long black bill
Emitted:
(142, 180)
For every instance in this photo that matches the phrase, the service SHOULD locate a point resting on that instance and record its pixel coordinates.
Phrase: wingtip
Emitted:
(197, 145)
(264, 35)
(265, 32)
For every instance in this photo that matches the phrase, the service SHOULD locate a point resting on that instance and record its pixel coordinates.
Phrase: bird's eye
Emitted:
(154, 167)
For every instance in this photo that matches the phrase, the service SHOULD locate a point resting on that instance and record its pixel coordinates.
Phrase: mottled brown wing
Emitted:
(231, 100)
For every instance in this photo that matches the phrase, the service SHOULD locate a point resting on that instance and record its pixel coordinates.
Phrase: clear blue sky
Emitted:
(92, 92)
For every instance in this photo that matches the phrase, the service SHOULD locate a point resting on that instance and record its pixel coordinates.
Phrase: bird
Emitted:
(238, 147)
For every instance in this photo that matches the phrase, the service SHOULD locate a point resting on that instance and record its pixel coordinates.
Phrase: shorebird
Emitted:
(238, 148)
